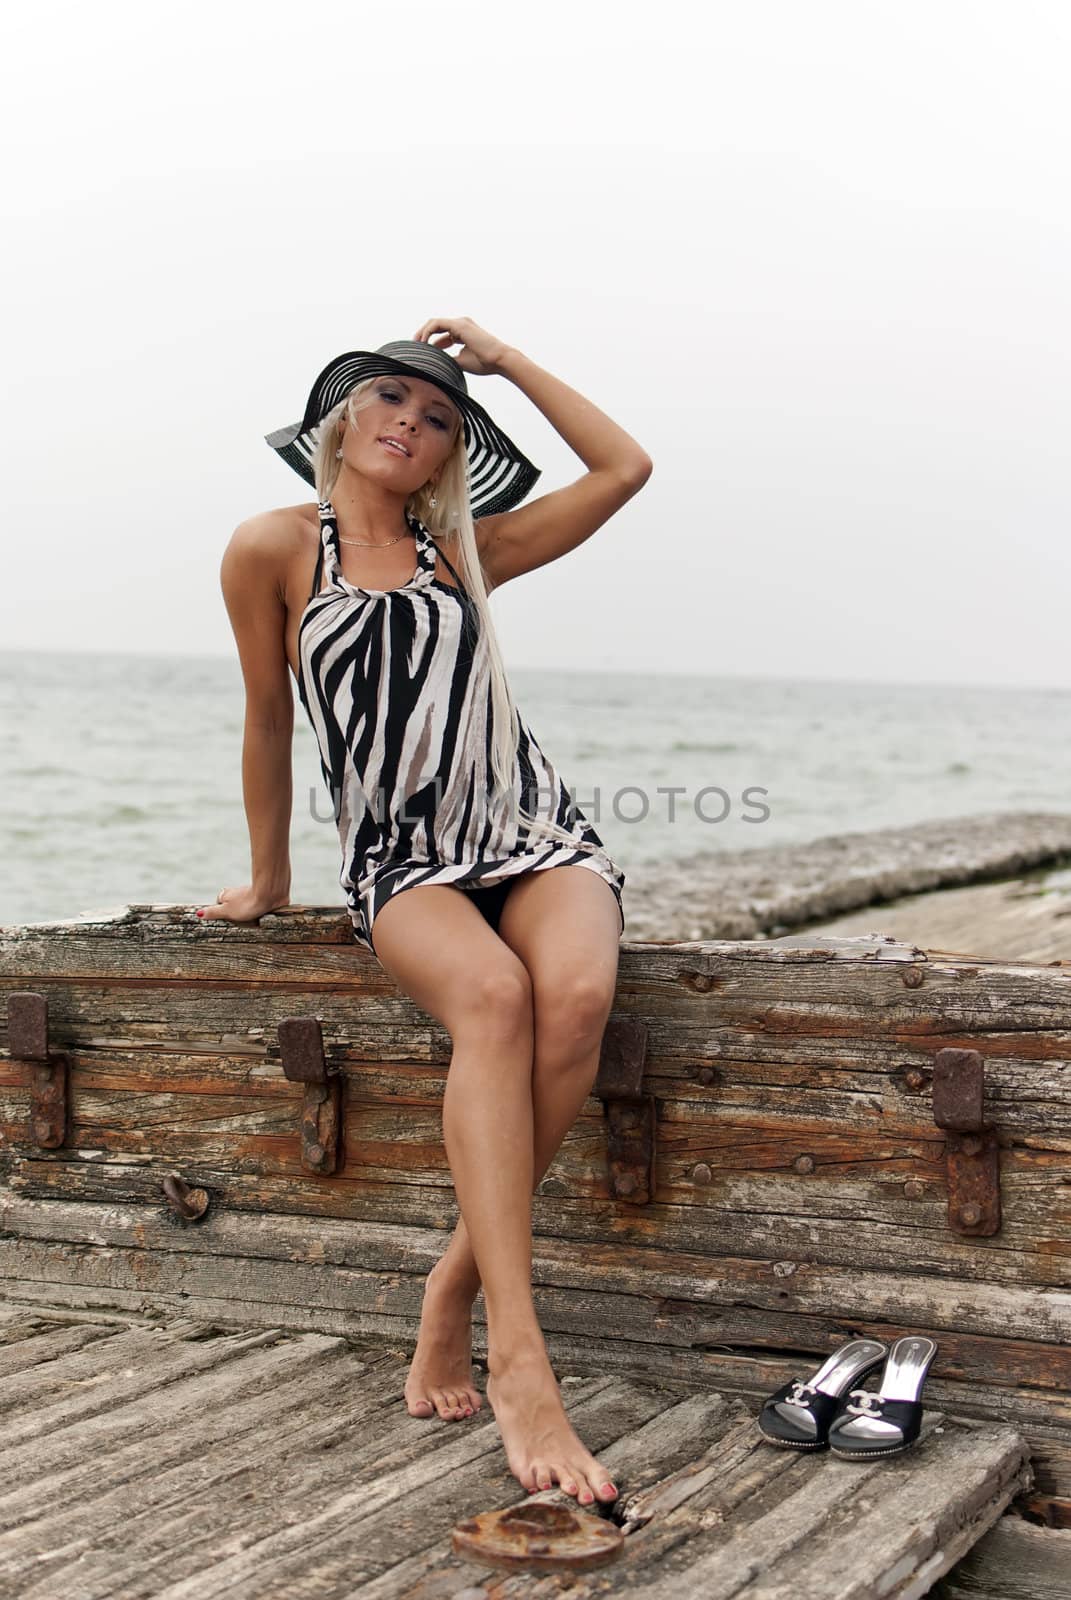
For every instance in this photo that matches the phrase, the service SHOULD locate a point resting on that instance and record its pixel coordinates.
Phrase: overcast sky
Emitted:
(814, 257)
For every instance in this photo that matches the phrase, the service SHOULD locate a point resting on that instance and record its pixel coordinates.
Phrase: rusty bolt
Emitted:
(702, 982)
(552, 1186)
(624, 1183)
(912, 977)
(184, 1201)
(803, 1164)
(970, 1214)
(971, 1145)
(914, 1077)
(627, 1119)
(316, 1153)
(705, 1074)
(701, 1173)
(42, 1129)
(913, 1189)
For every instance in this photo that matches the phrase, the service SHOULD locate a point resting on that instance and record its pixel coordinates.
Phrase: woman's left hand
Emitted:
(481, 352)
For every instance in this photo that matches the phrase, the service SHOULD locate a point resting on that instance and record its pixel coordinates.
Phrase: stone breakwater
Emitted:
(764, 893)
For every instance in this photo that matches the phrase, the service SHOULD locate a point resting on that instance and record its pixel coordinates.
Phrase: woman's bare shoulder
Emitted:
(280, 526)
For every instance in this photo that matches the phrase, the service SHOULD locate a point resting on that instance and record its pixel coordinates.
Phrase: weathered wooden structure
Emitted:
(790, 1142)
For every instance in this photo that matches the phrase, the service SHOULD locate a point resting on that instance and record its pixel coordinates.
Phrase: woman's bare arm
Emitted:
(252, 578)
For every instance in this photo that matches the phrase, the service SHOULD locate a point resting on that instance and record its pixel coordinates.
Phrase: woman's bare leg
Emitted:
(554, 921)
(443, 954)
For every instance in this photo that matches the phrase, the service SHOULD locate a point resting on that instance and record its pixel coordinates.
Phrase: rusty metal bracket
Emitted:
(27, 1034)
(630, 1114)
(186, 1202)
(301, 1045)
(972, 1152)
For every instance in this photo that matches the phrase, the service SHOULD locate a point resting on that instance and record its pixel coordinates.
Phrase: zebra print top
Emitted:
(400, 702)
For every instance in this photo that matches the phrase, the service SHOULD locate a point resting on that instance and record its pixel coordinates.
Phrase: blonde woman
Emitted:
(491, 899)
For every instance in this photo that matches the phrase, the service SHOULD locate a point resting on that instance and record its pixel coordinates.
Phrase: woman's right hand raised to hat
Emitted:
(245, 904)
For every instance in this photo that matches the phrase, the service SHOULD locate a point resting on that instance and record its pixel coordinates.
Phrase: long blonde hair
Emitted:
(450, 522)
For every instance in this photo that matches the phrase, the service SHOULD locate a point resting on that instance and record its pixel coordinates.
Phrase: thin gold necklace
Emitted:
(373, 545)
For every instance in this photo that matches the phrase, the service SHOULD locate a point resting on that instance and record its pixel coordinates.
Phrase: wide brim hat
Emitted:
(500, 475)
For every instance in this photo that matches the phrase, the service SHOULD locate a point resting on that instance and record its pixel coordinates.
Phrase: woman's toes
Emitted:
(413, 1404)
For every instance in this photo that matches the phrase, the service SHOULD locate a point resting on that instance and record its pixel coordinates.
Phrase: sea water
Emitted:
(122, 773)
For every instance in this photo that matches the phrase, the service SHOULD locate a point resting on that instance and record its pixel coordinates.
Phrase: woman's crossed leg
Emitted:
(525, 1009)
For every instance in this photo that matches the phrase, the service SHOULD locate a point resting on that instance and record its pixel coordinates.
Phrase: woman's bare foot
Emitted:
(539, 1440)
(440, 1374)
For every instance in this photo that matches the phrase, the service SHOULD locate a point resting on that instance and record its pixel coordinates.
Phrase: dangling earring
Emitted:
(433, 502)
(338, 453)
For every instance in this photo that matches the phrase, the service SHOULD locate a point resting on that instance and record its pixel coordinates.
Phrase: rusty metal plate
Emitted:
(958, 1090)
(630, 1149)
(49, 1102)
(538, 1535)
(972, 1164)
(621, 1059)
(301, 1045)
(49, 1070)
(27, 1027)
(321, 1122)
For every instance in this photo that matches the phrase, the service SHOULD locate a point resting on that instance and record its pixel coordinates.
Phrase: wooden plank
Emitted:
(73, 1388)
(268, 1262)
(674, 1286)
(864, 1531)
(49, 1472)
(302, 1496)
(1014, 1561)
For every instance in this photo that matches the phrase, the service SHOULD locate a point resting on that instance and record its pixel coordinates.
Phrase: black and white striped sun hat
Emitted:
(499, 474)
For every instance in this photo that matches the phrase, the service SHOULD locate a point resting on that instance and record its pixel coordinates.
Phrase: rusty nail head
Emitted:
(804, 1164)
(971, 1145)
(706, 1074)
(624, 1183)
(701, 1173)
(912, 977)
(914, 1078)
(913, 1189)
(970, 1214)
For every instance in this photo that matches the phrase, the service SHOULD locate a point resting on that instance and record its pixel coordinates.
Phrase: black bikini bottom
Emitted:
(489, 898)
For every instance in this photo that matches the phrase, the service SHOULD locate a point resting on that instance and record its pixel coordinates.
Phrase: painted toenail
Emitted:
(608, 1488)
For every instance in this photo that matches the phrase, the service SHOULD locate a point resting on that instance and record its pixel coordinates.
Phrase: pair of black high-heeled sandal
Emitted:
(831, 1409)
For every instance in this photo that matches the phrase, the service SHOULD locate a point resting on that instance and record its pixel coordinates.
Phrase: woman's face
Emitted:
(416, 413)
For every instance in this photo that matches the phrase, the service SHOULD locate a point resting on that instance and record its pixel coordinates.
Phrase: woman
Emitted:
(493, 904)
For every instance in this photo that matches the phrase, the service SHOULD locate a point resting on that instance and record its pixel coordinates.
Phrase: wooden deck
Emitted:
(1023, 919)
(182, 1460)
